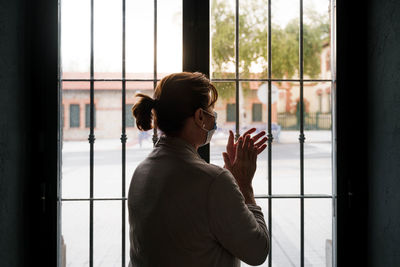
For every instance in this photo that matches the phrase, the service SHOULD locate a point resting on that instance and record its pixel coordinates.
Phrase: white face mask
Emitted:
(211, 132)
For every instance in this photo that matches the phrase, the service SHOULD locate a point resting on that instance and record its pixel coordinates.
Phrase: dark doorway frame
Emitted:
(44, 134)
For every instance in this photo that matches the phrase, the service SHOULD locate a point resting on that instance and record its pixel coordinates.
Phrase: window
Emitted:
(257, 112)
(230, 112)
(250, 62)
(74, 116)
(258, 49)
(130, 120)
(104, 65)
(87, 115)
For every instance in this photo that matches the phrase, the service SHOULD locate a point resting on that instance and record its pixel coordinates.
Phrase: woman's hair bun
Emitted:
(142, 111)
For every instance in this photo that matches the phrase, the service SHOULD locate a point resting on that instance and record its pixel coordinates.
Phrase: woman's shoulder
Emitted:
(209, 169)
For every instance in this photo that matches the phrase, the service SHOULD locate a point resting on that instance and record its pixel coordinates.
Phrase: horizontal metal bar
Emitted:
(273, 80)
(94, 199)
(293, 196)
(256, 196)
(109, 80)
(213, 80)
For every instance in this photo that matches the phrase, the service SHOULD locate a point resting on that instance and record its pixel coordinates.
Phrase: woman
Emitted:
(184, 211)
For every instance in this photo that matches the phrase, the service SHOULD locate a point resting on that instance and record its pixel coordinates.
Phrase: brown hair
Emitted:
(176, 98)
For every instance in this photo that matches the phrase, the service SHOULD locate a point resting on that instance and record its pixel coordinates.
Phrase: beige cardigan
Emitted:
(184, 212)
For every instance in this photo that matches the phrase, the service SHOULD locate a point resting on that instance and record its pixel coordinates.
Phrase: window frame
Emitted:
(195, 60)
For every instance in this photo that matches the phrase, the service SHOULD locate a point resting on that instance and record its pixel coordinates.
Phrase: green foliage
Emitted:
(253, 40)
(226, 90)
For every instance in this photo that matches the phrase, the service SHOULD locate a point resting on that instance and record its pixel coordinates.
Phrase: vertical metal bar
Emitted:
(123, 135)
(333, 129)
(91, 135)
(155, 136)
(270, 136)
(237, 67)
(59, 139)
(301, 137)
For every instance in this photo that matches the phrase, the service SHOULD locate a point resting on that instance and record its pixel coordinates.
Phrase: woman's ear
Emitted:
(199, 117)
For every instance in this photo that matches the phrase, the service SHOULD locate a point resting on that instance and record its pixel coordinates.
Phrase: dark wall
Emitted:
(384, 133)
(13, 133)
(352, 106)
(28, 132)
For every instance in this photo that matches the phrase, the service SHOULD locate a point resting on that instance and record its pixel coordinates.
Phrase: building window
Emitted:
(74, 116)
(87, 115)
(257, 112)
(130, 120)
(230, 112)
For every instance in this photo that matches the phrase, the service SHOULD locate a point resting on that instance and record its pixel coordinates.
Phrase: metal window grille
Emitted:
(74, 122)
(301, 110)
(125, 123)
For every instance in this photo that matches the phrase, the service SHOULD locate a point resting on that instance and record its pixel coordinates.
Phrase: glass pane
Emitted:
(75, 146)
(107, 39)
(107, 233)
(169, 37)
(285, 38)
(226, 109)
(253, 39)
(286, 130)
(139, 39)
(222, 31)
(127, 240)
(316, 30)
(285, 232)
(318, 144)
(318, 232)
(75, 233)
(249, 92)
(107, 147)
(130, 120)
(75, 25)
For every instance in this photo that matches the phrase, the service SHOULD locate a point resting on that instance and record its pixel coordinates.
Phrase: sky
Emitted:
(75, 33)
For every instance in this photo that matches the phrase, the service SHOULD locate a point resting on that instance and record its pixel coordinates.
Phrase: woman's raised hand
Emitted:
(241, 157)
(231, 145)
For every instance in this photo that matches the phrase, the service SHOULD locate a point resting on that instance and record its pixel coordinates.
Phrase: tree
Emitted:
(253, 39)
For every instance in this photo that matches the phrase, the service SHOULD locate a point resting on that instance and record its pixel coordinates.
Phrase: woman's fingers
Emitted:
(261, 148)
(246, 142)
(239, 148)
(229, 145)
(227, 161)
(250, 131)
(258, 136)
(249, 146)
(261, 142)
